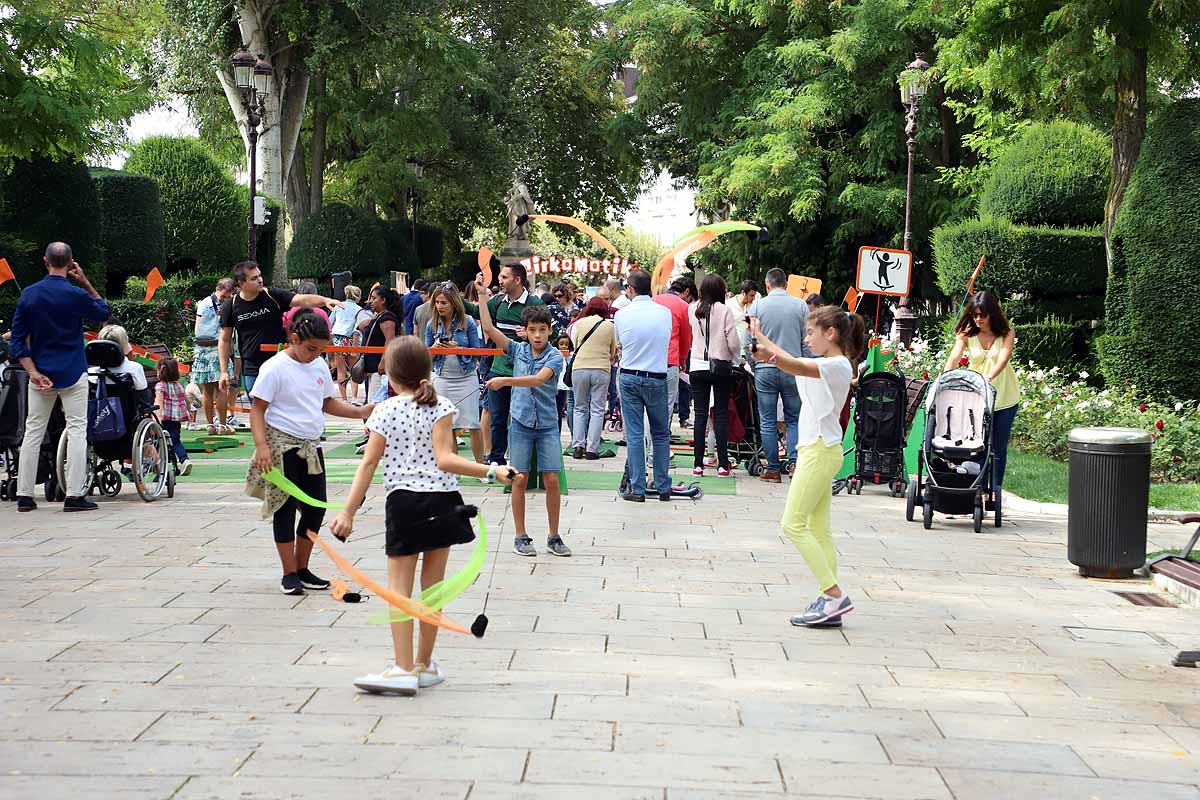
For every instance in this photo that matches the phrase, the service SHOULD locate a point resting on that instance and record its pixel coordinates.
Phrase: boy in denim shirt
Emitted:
(533, 423)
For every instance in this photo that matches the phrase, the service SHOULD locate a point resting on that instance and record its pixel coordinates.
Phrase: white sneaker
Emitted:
(185, 468)
(393, 679)
(430, 675)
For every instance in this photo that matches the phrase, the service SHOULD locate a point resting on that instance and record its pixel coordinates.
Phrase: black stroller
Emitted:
(14, 408)
(957, 450)
(748, 449)
(879, 433)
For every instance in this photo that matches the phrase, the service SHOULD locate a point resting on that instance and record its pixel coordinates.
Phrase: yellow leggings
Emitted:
(806, 515)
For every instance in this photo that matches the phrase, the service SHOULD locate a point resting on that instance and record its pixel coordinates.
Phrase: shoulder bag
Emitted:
(566, 379)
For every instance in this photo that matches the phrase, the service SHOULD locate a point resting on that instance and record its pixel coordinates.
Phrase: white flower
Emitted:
(1083, 375)
(1179, 407)
(1106, 403)
(1047, 390)
(1054, 370)
(1040, 374)
(1046, 415)
(1082, 405)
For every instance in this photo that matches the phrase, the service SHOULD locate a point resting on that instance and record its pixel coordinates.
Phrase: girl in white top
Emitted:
(413, 434)
(824, 383)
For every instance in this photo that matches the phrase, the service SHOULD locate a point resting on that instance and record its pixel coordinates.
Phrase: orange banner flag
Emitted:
(851, 299)
(153, 281)
(485, 265)
(6, 273)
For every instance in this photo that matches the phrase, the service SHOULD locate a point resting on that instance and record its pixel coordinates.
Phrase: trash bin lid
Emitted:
(1106, 435)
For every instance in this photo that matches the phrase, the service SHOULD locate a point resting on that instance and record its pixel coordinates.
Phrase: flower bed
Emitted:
(1054, 401)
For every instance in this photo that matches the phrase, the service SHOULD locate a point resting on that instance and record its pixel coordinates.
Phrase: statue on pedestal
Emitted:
(519, 203)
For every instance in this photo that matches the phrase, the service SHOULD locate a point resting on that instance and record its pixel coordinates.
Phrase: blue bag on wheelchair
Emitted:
(106, 417)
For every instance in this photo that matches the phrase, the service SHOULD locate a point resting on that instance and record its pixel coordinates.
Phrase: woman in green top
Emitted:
(984, 341)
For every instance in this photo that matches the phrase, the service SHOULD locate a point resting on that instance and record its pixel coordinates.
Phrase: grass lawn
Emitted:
(1044, 480)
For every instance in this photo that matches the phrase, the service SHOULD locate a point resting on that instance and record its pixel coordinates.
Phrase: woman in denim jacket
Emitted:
(454, 376)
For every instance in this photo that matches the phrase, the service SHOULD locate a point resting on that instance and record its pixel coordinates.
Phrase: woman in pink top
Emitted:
(716, 350)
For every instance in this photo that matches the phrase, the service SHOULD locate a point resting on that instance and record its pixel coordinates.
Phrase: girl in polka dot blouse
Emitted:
(412, 435)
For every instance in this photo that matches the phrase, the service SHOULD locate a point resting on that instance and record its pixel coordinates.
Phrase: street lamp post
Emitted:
(914, 84)
(253, 77)
(417, 167)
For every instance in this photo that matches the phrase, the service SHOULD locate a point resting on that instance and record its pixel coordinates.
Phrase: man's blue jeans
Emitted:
(647, 396)
(771, 385)
(499, 402)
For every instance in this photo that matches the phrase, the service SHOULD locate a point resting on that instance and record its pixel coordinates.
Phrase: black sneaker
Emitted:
(578, 453)
(635, 498)
(310, 581)
(79, 504)
(26, 504)
(291, 584)
(523, 546)
(558, 547)
(592, 456)
(666, 498)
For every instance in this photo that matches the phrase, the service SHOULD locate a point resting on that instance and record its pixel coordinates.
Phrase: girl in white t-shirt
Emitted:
(293, 393)
(413, 434)
(823, 383)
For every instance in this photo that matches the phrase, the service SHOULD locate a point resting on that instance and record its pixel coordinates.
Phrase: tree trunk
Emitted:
(297, 189)
(316, 179)
(1129, 128)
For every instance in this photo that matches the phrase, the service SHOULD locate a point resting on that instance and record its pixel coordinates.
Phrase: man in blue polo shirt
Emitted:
(47, 338)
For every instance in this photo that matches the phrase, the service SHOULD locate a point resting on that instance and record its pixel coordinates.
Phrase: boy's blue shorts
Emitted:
(524, 441)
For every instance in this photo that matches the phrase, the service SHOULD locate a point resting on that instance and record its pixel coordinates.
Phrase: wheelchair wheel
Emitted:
(54, 493)
(151, 456)
(171, 481)
(89, 469)
(110, 482)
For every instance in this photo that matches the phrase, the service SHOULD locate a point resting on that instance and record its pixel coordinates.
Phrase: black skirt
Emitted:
(409, 529)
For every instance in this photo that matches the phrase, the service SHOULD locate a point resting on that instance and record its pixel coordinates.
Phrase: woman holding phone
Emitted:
(454, 376)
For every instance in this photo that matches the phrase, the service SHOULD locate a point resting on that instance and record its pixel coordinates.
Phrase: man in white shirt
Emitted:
(644, 331)
(615, 295)
(740, 304)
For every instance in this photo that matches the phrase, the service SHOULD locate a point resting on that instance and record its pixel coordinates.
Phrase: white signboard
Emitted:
(882, 270)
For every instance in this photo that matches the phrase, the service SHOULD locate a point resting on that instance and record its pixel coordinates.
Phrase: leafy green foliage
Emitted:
(204, 210)
(160, 320)
(429, 243)
(70, 74)
(43, 201)
(1151, 326)
(1054, 173)
(1049, 342)
(398, 252)
(131, 231)
(178, 288)
(1038, 260)
(335, 239)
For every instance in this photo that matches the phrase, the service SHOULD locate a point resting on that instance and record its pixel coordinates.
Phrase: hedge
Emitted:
(204, 209)
(43, 201)
(429, 247)
(1151, 323)
(190, 285)
(1054, 173)
(1050, 342)
(335, 239)
(1044, 261)
(160, 320)
(131, 230)
(399, 255)
(1033, 309)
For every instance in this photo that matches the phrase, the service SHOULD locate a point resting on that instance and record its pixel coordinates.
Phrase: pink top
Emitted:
(723, 341)
(171, 401)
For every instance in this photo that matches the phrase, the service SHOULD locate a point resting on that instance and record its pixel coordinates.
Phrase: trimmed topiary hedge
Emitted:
(399, 255)
(131, 231)
(1049, 342)
(43, 201)
(335, 239)
(1043, 261)
(160, 320)
(1151, 325)
(429, 247)
(1054, 173)
(204, 209)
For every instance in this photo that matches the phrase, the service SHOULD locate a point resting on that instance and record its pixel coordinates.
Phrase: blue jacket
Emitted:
(48, 327)
(410, 303)
(462, 338)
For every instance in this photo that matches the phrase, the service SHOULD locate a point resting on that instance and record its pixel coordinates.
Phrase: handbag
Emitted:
(566, 378)
(719, 367)
(106, 417)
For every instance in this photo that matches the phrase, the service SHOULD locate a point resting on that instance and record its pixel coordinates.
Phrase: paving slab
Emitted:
(152, 656)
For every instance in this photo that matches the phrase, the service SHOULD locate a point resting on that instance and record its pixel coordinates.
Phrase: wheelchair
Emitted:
(146, 444)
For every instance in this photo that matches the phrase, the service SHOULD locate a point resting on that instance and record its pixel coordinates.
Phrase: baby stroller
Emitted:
(14, 408)
(957, 450)
(743, 407)
(143, 442)
(879, 433)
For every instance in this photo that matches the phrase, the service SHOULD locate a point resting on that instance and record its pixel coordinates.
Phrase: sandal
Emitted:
(212, 430)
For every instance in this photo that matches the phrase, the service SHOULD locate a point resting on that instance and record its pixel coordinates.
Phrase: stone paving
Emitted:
(147, 653)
